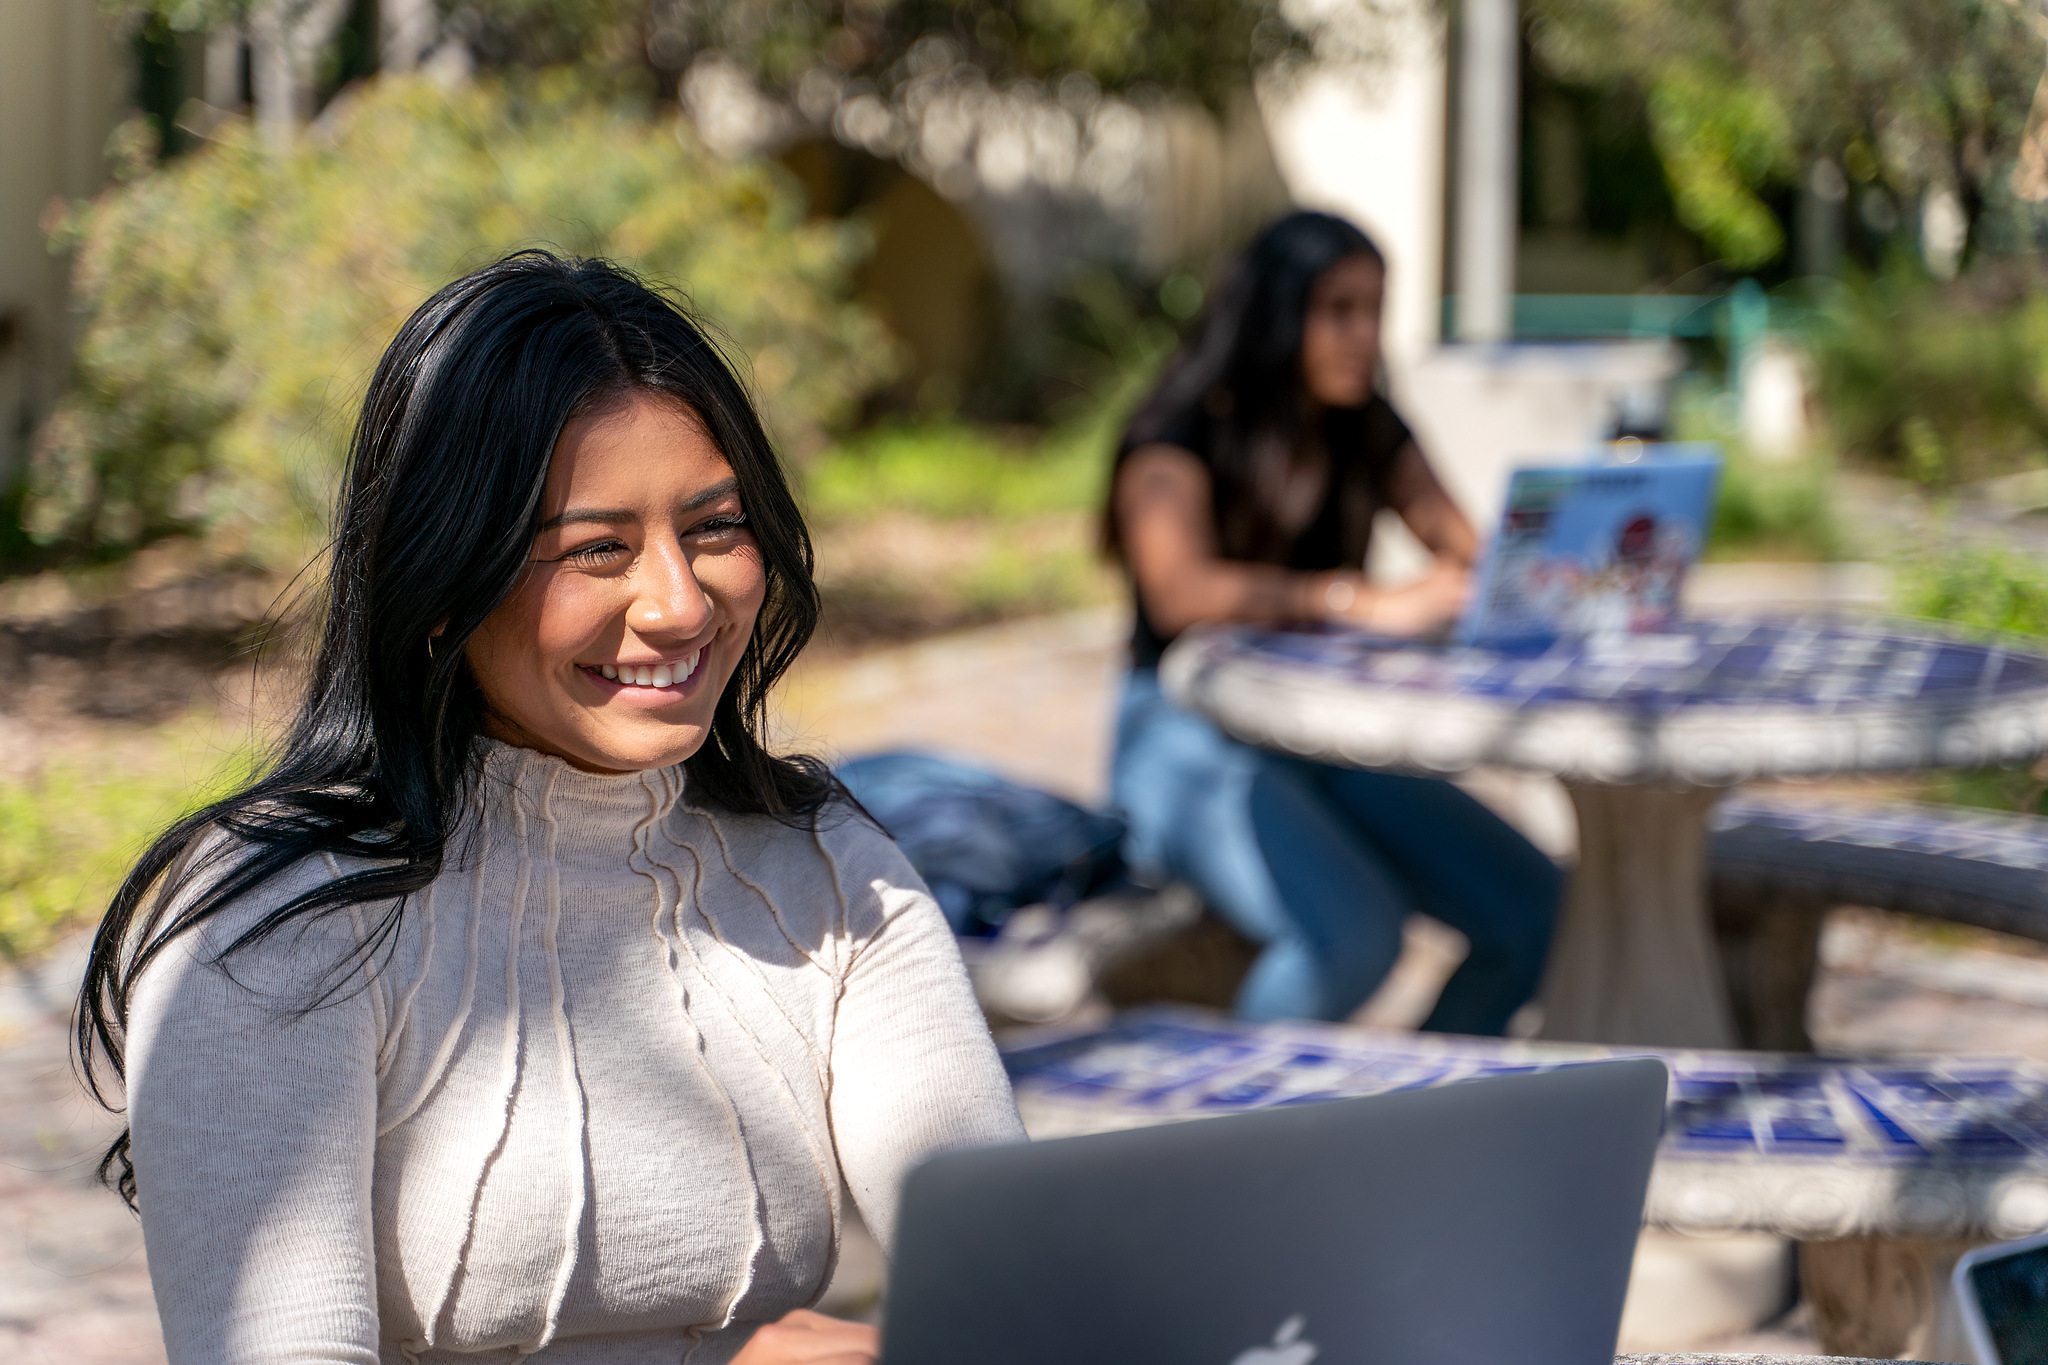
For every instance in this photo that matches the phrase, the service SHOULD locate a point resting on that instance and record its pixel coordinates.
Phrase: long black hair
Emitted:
(1237, 379)
(440, 504)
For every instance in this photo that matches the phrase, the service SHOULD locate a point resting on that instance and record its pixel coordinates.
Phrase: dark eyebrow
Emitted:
(710, 495)
(582, 514)
(611, 514)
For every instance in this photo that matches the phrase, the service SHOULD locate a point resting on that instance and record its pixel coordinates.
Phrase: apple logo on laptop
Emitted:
(1287, 1348)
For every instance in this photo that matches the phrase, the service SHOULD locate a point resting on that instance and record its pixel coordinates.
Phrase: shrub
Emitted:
(72, 832)
(235, 300)
(1981, 589)
(952, 469)
(1943, 382)
(1774, 509)
(1763, 509)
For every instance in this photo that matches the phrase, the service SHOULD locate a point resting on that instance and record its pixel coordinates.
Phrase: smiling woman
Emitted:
(527, 1004)
(613, 650)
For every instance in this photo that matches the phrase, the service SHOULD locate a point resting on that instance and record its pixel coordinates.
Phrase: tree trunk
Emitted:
(285, 39)
(222, 81)
(409, 28)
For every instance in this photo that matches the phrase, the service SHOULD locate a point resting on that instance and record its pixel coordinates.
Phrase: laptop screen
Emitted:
(1598, 547)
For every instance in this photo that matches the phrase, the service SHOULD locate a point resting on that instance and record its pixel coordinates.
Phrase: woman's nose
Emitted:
(668, 599)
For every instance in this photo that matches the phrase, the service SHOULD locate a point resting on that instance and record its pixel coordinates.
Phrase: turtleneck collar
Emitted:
(588, 809)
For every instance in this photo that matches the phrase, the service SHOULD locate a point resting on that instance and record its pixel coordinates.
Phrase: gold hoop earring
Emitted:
(430, 647)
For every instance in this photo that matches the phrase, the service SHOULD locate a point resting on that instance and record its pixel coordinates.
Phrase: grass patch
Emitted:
(937, 525)
(2007, 790)
(1982, 589)
(953, 470)
(1063, 577)
(1774, 510)
(74, 827)
(1780, 510)
(1940, 382)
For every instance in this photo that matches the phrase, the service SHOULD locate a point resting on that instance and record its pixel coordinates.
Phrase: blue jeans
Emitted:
(1321, 865)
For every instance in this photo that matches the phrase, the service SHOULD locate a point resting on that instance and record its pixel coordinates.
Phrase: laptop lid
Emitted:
(1491, 1221)
(1594, 548)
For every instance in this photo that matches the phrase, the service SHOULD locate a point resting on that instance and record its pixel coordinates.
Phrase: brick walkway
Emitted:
(74, 1289)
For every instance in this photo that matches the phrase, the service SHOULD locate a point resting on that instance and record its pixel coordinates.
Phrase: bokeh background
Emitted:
(950, 242)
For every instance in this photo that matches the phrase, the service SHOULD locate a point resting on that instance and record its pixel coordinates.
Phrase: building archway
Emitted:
(928, 276)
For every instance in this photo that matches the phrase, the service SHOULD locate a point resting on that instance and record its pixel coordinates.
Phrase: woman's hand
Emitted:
(807, 1338)
(1431, 601)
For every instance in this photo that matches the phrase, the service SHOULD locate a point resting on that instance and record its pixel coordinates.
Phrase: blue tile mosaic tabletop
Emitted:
(1825, 664)
(1164, 1064)
(1802, 1147)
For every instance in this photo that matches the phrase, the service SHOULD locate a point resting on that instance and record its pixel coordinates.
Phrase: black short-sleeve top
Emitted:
(1364, 443)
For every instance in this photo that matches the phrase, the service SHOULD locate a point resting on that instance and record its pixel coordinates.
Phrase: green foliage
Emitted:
(932, 526)
(185, 16)
(1779, 510)
(2001, 789)
(952, 470)
(1945, 383)
(1022, 580)
(955, 469)
(1720, 141)
(940, 524)
(72, 832)
(1903, 94)
(1980, 588)
(1776, 510)
(1206, 49)
(236, 300)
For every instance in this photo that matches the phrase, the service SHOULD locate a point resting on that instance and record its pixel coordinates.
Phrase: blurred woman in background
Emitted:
(1244, 491)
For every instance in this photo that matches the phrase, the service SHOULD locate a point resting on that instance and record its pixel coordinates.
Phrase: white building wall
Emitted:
(1367, 142)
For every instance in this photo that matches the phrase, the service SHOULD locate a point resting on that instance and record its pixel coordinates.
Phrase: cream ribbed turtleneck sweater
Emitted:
(596, 1102)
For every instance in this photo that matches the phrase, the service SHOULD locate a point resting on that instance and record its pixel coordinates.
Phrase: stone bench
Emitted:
(1777, 867)
(1754, 1360)
(1881, 1172)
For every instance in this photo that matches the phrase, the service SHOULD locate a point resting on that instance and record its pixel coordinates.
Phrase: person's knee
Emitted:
(1353, 956)
(1296, 977)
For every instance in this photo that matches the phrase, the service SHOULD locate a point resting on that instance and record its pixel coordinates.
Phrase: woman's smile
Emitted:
(661, 675)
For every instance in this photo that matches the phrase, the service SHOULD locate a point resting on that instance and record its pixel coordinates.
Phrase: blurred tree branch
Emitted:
(1744, 96)
(1203, 48)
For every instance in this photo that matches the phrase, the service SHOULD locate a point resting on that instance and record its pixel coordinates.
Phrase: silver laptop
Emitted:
(1490, 1222)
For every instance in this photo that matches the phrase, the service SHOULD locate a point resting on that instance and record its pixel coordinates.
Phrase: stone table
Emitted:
(1882, 1171)
(1645, 731)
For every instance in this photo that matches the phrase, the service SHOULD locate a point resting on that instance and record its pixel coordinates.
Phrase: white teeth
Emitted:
(653, 675)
